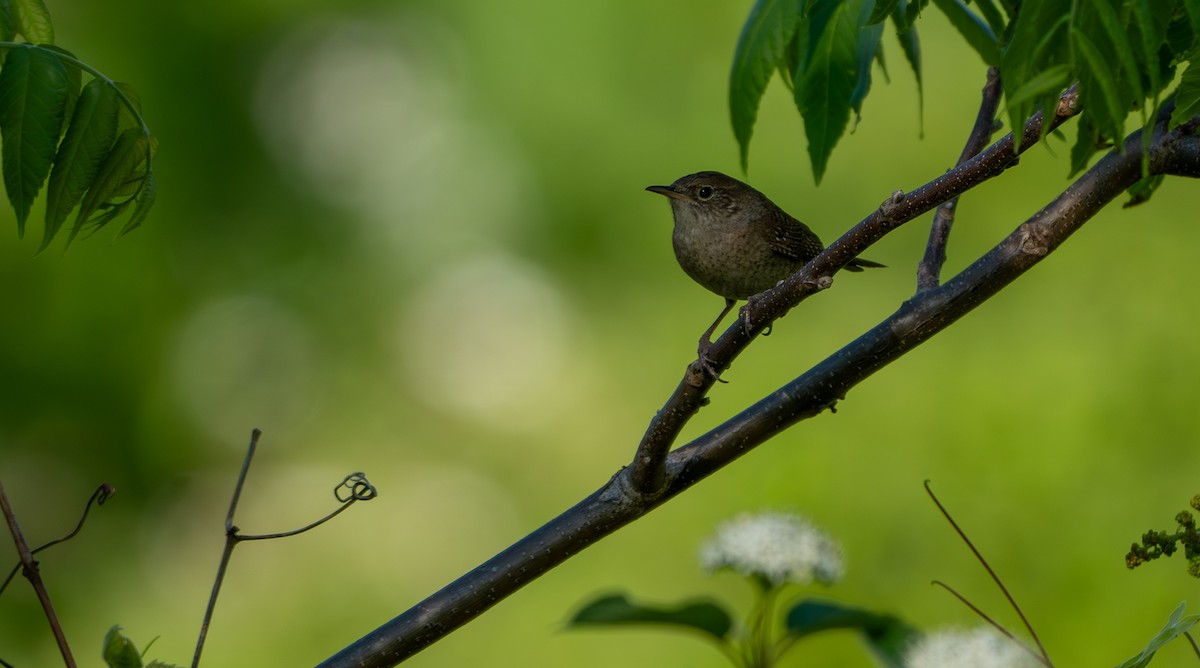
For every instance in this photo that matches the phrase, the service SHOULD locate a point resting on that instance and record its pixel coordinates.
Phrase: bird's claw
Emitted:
(705, 362)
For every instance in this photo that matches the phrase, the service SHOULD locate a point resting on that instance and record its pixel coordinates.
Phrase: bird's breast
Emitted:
(733, 261)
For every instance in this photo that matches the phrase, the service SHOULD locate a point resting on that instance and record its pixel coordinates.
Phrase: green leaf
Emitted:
(89, 137)
(31, 19)
(128, 119)
(830, 73)
(8, 29)
(119, 651)
(706, 617)
(1142, 190)
(991, 14)
(1187, 95)
(882, 10)
(974, 29)
(74, 79)
(760, 50)
(1087, 142)
(159, 664)
(1193, 13)
(118, 171)
(1176, 626)
(1050, 81)
(887, 636)
(1037, 44)
(1119, 40)
(1152, 30)
(911, 45)
(866, 52)
(142, 203)
(1101, 100)
(33, 94)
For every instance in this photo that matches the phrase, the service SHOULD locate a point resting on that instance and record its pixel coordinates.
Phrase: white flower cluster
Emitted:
(778, 547)
(979, 648)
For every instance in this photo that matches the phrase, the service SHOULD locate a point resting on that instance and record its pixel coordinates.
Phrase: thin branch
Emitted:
(102, 494)
(930, 270)
(34, 576)
(231, 541)
(353, 488)
(1041, 658)
(648, 476)
(619, 502)
(1012, 602)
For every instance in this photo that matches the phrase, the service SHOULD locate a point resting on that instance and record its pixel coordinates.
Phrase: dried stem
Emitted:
(351, 489)
(102, 494)
(930, 270)
(231, 541)
(1012, 602)
(31, 572)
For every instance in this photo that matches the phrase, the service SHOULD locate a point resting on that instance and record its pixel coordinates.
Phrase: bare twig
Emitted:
(930, 269)
(31, 572)
(1012, 602)
(620, 501)
(352, 488)
(1040, 658)
(102, 494)
(231, 541)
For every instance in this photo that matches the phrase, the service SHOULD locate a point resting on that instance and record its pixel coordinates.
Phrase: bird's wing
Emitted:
(792, 238)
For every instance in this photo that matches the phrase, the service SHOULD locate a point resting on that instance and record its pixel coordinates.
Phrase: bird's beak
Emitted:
(668, 191)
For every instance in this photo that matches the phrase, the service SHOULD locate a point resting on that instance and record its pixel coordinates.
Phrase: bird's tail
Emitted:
(858, 264)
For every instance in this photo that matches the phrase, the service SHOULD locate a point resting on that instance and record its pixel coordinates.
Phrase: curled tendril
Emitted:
(355, 487)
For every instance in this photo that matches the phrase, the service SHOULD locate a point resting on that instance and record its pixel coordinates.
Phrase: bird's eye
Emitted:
(705, 192)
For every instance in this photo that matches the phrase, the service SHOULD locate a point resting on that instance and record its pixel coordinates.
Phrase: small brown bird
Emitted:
(734, 241)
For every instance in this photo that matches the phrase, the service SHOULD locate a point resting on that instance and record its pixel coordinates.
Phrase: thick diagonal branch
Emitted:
(618, 503)
(648, 474)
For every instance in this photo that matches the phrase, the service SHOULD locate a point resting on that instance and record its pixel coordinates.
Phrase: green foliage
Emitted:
(1122, 53)
(759, 50)
(1157, 544)
(887, 636)
(1187, 98)
(975, 30)
(90, 141)
(31, 20)
(120, 652)
(33, 98)
(824, 50)
(1176, 626)
(706, 617)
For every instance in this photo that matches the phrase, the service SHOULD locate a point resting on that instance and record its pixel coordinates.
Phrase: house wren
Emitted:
(734, 241)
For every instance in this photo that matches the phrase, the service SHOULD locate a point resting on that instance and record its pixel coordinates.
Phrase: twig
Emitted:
(231, 541)
(1040, 658)
(34, 576)
(351, 489)
(1012, 602)
(647, 473)
(930, 269)
(102, 494)
(618, 502)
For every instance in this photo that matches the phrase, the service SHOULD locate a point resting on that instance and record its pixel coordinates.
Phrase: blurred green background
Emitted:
(410, 238)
